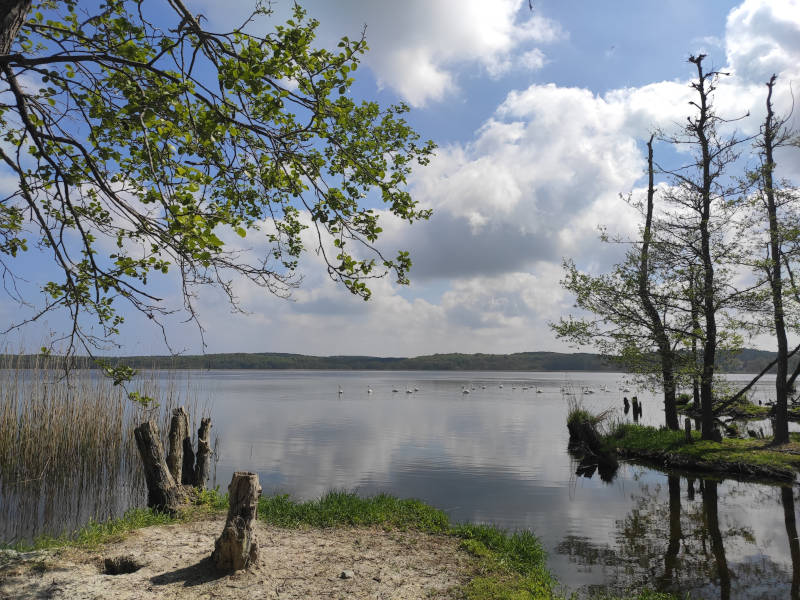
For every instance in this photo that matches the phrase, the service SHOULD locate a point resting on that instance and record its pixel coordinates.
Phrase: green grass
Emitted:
(93, 533)
(732, 450)
(337, 509)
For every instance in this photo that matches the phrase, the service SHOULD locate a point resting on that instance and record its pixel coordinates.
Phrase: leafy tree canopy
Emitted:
(139, 141)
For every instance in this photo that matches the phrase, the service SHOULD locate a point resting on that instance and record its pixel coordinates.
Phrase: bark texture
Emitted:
(202, 467)
(178, 433)
(162, 492)
(237, 548)
(12, 15)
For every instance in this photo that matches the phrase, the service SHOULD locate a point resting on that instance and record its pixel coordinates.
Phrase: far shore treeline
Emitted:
(746, 361)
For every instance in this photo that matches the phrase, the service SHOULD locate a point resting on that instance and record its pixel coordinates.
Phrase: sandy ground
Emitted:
(292, 564)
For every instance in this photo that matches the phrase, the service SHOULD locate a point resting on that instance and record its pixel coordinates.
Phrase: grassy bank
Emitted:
(508, 565)
(734, 456)
(745, 458)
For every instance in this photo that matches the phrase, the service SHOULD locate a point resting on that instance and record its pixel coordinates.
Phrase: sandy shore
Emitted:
(311, 563)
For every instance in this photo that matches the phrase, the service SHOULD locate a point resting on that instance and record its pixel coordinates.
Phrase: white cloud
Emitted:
(762, 38)
(417, 46)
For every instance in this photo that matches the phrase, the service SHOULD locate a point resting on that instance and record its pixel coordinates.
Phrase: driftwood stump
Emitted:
(237, 548)
(162, 492)
(178, 432)
(203, 465)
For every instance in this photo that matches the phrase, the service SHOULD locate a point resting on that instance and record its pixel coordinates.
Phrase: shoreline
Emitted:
(663, 449)
(340, 544)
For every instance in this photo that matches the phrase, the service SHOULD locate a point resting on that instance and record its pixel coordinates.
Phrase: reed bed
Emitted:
(67, 452)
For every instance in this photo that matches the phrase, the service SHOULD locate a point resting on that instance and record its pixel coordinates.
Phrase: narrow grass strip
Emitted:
(95, 533)
(336, 509)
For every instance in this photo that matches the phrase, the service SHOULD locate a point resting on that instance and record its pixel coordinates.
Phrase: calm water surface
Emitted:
(499, 455)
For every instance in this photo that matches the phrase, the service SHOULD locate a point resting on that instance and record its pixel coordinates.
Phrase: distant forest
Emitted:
(746, 361)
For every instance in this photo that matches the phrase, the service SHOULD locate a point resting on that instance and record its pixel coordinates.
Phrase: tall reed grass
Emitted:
(67, 452)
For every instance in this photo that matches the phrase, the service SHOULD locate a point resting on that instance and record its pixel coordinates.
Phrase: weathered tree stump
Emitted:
(688, 429)
(237, 548)
(162, 492)
(178, 433)
(202, 467)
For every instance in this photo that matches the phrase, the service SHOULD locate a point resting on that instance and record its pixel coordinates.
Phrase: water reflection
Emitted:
(497, 455)
(697, 546)
(790, 518)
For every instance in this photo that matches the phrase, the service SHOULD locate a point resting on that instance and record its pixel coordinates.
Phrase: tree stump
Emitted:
(178, 433)
(202, 467)
(237, 548)
(162, 492)
(688, 430)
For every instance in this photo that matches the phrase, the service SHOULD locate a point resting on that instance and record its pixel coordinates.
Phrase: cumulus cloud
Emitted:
(532, 186)
(762, 38)
(417, 46)
(542, 172)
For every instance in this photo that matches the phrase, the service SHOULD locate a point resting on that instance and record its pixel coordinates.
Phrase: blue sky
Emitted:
(540, 118)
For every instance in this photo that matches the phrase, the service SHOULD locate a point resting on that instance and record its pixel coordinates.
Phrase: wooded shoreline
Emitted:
(745, 361)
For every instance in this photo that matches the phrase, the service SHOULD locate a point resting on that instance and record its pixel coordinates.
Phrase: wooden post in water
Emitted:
(202, 467)
(162, 492)
(178, 432)
(687, 426)
(237, 548)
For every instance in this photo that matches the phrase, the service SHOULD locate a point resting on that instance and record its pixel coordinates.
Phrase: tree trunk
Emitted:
(781, 421)
(178, 433)
(701, 127)
(695, 313)
(162, 493)
(12, 15)
(656, 324)
(237, 548)
(203, 454)
(188, 477)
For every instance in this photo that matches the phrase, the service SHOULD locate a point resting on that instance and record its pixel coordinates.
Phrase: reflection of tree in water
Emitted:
(676, 544)
(790, 519)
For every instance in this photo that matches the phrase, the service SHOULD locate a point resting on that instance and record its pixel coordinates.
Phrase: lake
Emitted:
(498, 454)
